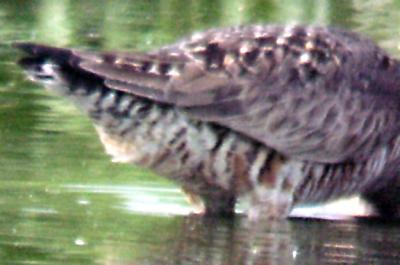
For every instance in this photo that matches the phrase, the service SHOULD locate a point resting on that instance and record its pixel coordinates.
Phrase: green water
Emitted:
(63, 202)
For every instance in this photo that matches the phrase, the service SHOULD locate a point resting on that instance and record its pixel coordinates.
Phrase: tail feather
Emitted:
(59, 55)
(43, 63)
(54, 67)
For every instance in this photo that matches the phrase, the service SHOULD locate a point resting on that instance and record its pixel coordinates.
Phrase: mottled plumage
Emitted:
(287, 115)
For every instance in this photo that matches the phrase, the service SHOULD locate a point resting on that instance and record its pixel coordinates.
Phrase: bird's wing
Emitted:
(315, 94)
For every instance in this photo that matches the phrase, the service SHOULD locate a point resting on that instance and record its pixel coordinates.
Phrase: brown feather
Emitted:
(312, 93)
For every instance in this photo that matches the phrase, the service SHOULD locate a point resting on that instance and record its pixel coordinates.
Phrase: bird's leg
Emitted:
(267, 204)
(274, 195)
(212, 201)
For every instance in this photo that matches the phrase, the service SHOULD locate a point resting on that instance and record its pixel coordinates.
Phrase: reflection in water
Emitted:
(92, 225)
(160, 200)
(140, 199)
(208, 241)
(226, 242)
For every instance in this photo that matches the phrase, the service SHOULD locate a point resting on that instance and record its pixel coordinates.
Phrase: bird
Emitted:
(282, 115)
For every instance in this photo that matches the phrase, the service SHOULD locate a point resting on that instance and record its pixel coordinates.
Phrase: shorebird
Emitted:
(283, 115)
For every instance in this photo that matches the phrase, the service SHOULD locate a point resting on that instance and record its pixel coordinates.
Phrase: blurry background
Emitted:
(63, 202)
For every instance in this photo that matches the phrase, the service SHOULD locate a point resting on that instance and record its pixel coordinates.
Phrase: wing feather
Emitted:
(311, 93)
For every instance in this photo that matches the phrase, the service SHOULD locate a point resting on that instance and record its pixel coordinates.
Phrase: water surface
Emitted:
(63, 202)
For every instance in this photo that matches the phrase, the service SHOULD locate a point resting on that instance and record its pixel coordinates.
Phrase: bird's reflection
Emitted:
(211, 241)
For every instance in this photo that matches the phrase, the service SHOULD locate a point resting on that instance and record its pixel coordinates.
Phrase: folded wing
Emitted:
(315, 94)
